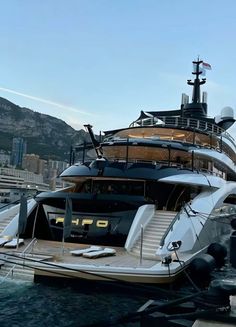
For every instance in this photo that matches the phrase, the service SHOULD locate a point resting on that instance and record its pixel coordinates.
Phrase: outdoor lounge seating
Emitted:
(13, 243)
(4, 240)
(102, 253)
(86, 250)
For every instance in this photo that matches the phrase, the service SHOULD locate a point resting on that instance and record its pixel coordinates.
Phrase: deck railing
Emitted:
(22, 255)
(180, 122)
(169, 228)
(216, 137)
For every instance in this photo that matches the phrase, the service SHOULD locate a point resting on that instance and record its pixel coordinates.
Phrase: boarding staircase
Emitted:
(153, 234)
(16, 265)
(15, 269)
(6, 221)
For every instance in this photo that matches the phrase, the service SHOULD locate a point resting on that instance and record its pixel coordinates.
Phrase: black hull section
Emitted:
(92, 202)
(100, 228)
(114, 170)
(100, 219)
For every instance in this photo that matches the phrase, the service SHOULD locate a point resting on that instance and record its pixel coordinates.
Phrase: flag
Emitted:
(68, 218)
(205, 65)
(22, 215)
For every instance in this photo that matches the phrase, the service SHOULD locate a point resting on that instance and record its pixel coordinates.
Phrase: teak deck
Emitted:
(61, 254)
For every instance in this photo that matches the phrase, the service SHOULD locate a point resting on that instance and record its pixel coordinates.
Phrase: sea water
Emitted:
(31, 304)
(24, 304)
(58, 305)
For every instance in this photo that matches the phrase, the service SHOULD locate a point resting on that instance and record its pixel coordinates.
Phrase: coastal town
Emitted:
(21, 172)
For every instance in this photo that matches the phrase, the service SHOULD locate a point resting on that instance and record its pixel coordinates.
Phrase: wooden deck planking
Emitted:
(55, 249)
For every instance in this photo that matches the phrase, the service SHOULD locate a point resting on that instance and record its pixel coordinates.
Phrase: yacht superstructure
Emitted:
(157, 195)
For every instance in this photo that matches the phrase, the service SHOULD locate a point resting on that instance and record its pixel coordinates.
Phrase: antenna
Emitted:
(96, 144)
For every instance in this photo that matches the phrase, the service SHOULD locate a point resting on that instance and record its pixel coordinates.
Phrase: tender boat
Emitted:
(160, 193)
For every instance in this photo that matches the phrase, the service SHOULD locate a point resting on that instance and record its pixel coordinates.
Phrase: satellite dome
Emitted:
(227, 113)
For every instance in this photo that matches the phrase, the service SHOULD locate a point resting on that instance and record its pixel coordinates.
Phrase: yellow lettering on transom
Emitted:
(102, 223)
(75, 221)
(59, 220)
(87, 222)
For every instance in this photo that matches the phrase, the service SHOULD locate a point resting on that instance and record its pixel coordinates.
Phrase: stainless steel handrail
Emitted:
(32, 242)
(170, 227)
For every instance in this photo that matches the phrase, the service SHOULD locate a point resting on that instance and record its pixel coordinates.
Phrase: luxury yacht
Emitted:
(160, 194)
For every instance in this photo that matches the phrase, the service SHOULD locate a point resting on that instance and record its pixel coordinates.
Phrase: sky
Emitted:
(101, 62)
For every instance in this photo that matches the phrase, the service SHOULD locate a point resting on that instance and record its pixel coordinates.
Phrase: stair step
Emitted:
(162, 218)
(154, 246)
(19, 276)
(151, 237)
(151, 245)
(159, 223)
(27, 272)
(18, 272)
(165, 213)
(154, 230)
(145, 251)
(149, 255)
(153, 234)
(151, 241)
(5, 223)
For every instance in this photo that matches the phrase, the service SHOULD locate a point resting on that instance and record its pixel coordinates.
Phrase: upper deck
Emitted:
(192, 124)
(187, 131)
(186, 137)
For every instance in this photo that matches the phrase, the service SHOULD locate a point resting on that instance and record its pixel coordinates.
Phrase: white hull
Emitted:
(159, 194)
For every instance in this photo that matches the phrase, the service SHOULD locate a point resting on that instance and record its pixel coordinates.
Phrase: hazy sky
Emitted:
(102, 61)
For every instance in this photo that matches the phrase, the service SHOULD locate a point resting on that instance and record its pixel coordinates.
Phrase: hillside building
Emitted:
(4, 158)
(33, 163)
(19, 147)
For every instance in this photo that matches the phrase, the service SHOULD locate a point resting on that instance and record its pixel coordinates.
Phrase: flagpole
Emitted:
(63, 236)
(67, 222)
(63, 243)
(17, 244)
(18, 230)
(63, 232)
(22, 218)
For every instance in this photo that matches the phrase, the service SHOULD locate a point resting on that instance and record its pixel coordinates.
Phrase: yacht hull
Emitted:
(108, 277)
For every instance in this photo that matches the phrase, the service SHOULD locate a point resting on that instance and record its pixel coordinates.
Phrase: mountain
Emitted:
(46, 136)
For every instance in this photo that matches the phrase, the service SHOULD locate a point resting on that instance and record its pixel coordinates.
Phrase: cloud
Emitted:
(59, 105)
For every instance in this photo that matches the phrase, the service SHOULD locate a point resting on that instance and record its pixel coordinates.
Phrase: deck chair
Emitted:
(13, 243)
(86, 250)
(4, 240)
(102, 253)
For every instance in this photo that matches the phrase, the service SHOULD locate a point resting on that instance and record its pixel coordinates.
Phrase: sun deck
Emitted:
(56, 253)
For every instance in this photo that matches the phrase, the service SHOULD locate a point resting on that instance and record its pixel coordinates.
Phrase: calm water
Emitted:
(26, 304)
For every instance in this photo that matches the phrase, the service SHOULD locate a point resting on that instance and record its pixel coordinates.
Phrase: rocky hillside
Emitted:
(45, 135)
